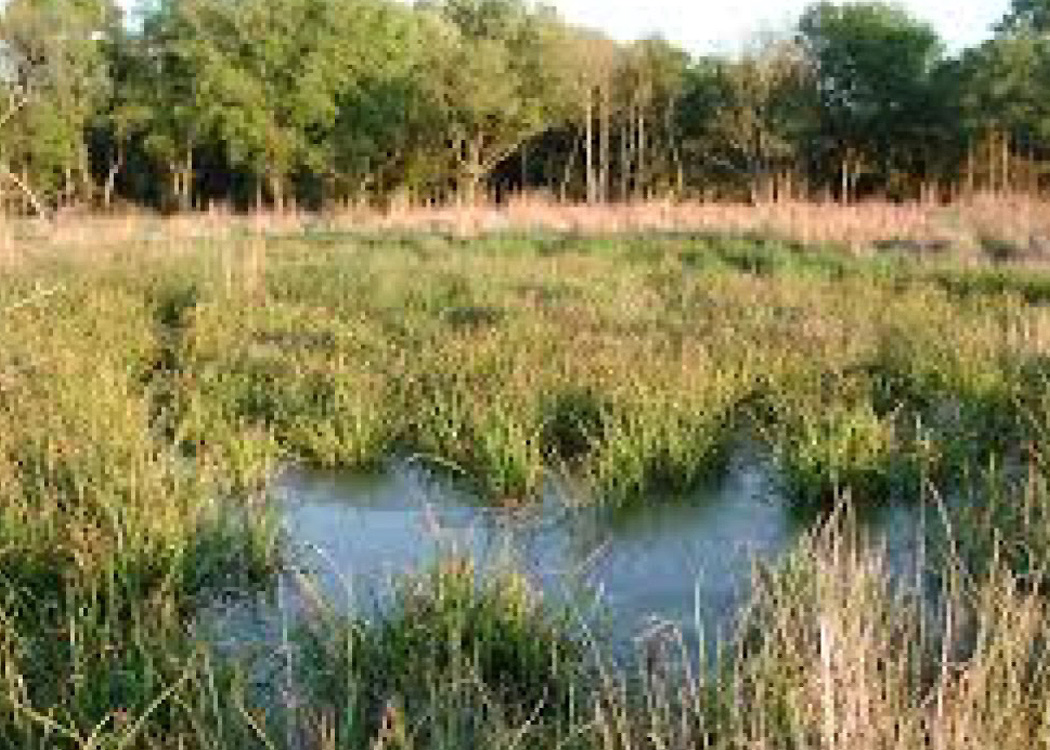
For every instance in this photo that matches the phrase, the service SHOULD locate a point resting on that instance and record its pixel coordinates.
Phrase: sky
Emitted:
(704, 26)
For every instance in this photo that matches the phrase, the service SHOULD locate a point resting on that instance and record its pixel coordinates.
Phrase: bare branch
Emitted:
(34, 200)
(19, 101)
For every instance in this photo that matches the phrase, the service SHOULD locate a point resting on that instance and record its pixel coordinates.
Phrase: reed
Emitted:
(148, 390)
(1011, 227)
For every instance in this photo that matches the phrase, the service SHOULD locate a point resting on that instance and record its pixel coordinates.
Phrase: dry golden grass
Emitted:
(833, 655)
(136, 392)
(1015, 227)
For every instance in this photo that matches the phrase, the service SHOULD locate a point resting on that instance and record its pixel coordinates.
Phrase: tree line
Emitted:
(314, 103)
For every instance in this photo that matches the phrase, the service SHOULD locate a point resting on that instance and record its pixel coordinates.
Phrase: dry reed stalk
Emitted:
(1017, 227)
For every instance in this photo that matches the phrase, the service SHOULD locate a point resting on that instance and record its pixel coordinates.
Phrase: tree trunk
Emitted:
(277, 193)
(187, 181)
(641, 181)
(67, 188)
(1005, 155)
(592, 186)
(1032, 180)
(109, 187)
(603, 181)
(470, 193)
(524, 168)
(971, 168)
(844, 196)
(626, 141)
(757, 172)
(87, 185)
(994, 175)
(570, 164)
(30, 199)
(676, 156)
(475, 171)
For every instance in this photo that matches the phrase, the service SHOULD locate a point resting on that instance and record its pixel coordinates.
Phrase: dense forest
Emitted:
(178, 104)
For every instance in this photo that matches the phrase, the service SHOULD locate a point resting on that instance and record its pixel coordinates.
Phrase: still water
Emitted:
(681, 561)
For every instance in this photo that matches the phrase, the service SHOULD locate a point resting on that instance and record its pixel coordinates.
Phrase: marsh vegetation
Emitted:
(152, 393)
(529, 332)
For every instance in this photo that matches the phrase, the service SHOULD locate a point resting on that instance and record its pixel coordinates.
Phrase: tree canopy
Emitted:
(273, 103)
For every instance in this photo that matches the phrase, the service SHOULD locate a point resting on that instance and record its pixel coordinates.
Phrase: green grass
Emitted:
(148, 396)
(108, 535)
(450, 662)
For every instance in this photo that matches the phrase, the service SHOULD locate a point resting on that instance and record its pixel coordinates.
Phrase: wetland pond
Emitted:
(680, 561)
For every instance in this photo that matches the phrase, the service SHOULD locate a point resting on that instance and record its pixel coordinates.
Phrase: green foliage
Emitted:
(58, 79)
(748, 122)
(873, 67)
(320, 103)
(1027, 16)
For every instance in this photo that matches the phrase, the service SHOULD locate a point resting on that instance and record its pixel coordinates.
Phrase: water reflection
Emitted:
(668, 558)
(679, 560)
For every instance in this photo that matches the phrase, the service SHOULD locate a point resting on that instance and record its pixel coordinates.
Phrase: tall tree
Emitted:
(490, 84)
(655, 73)
(1027, 15)
(1004, 102)
(312, 102)
(762, 116)
(587, 63)
(56, 75)
(123, 116)
(874, 64)
(386, 137)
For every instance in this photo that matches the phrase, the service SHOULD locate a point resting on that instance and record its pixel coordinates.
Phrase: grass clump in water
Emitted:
(140, 417)
(454, 659)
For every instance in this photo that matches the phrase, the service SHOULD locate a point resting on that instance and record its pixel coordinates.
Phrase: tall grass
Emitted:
(107, 534)
(834, 653)
(147, 395)
(630, 363)
(991, 226)
(450, 662)
(835, 648)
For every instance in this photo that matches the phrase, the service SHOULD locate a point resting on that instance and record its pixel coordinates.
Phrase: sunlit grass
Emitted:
(147, 397)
